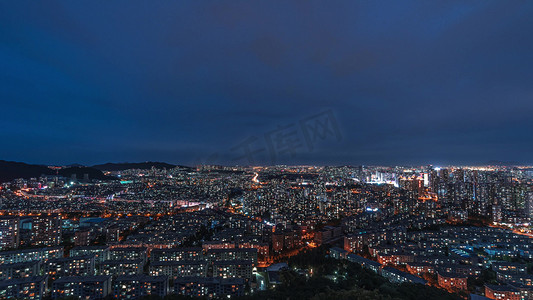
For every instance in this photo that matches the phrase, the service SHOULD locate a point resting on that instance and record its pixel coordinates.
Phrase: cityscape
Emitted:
(273, 150)
(238, 232)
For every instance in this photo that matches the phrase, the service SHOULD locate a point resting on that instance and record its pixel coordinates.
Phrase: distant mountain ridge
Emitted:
(10, 170)
(142, 165)
(502, 163)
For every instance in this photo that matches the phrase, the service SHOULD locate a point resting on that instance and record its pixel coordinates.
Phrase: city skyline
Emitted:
(488, 164)
(155, 231)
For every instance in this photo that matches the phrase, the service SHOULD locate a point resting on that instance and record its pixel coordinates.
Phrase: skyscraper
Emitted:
(46, 230)
(529, 206)
(9, 232)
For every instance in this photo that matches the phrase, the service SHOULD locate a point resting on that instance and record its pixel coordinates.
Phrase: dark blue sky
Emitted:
(437, 82)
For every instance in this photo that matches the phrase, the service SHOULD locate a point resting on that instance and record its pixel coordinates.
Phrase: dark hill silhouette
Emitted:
(502, 163)
(10, 170)
(81, 171)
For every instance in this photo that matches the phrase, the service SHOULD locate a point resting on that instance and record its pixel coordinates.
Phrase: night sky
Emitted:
(187, 82)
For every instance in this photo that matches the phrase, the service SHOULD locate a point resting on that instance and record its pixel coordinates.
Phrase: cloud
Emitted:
(413, 82)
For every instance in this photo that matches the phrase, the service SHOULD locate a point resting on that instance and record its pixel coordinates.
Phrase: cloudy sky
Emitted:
(240, 82)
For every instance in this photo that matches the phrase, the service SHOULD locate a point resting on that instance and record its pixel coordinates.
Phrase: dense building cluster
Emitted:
(223, 231)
